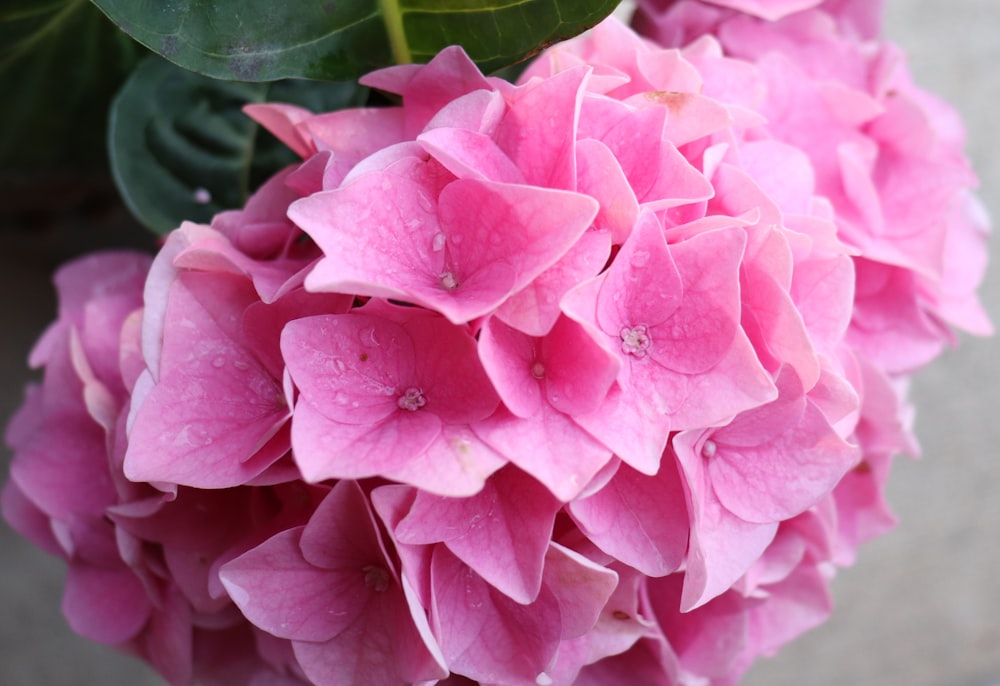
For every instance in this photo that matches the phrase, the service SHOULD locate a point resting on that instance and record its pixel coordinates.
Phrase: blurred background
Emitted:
(920, 608)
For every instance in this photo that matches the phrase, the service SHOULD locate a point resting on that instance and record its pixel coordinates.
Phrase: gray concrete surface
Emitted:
(922, 605)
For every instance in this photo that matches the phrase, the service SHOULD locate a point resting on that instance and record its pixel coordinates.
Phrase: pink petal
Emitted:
(285, 595)
(485, 635)
(212, 392)
(640, 520)
(105, 605)
(485, 241)
(326, 449)
(513, 511)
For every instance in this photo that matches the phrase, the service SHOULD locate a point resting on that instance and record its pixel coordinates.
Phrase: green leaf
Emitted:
(61, 62)
(260, 40)
(181, 148)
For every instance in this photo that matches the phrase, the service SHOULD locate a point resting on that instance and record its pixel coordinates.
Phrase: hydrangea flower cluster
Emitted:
(587, 379)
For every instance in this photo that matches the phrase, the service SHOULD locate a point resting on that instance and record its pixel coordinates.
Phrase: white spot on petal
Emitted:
(709, 448)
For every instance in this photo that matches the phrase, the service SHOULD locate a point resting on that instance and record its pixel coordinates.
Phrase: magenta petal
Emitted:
(24, 517)
(105, 605)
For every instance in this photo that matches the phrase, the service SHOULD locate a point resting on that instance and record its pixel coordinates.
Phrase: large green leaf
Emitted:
(181, 148)
(61, 62)
(260, 40)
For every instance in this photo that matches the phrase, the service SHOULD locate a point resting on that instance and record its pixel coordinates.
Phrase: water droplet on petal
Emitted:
(437, 243)
(543, 679)
(448, 281)
(219, 362)
(241, 365)
(202, 196)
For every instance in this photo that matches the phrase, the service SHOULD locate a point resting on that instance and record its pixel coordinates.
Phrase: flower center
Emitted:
(635, 340)
(376, 577)
(448, 281)
(412, 399)
(538, 370)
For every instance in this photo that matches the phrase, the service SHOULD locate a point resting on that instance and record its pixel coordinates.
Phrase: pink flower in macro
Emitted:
(671, 315)
(590, 378)
(387, 390)
(544, 383)
(458, 246)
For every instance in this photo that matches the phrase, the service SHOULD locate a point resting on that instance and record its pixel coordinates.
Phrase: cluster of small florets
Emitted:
(587, 379)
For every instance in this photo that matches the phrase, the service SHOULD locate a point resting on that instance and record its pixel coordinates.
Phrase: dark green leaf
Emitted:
(181, 148)
(260, 40)
(61, 62)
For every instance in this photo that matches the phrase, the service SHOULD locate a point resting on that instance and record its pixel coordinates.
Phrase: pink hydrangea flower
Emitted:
(592, 377)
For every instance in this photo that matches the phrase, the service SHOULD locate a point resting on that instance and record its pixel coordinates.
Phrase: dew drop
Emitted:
(543, 679)
(640, 258)
(219, 362)
(448, 281)
(424, 202)
(339, 366)
(202, 196)
(538, 370)
(241, 365)
(437, 243)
